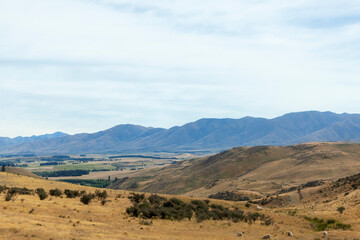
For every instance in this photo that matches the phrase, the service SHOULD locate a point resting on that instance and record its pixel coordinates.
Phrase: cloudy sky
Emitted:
(87, 65)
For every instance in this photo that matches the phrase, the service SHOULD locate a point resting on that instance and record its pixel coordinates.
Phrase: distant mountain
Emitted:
(204, 135)
(5, 141)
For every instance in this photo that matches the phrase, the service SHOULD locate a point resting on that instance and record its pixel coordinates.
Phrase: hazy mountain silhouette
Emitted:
(204, 134)
(5, 141)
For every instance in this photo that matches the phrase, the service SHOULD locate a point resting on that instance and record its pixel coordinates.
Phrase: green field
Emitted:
(84, 167)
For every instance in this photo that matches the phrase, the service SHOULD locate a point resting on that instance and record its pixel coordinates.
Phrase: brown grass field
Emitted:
(27, 217)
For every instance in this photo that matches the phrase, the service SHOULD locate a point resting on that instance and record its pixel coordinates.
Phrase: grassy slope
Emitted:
(20, 171)
(110, 221)
(264, 169)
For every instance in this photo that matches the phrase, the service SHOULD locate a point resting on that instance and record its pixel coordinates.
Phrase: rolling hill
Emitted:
(263, 170)
(25, 216)
(211, 135)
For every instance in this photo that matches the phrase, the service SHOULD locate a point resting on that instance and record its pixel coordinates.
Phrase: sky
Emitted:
(88, 65)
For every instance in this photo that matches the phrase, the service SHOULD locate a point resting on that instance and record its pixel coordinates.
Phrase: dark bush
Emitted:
(2, 188)
(71, 193)
(322, 225)
(20, 191)
(176, 209)
(341, 209)
(136, 198)
(9, 196)
(41, 193)
(86, 198)
(55, 192)
(101, 194)
(156, 199)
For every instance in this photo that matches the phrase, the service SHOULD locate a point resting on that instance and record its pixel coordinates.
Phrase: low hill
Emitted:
(209, 135)
(20, 171)
(25, 216)
(263, 169)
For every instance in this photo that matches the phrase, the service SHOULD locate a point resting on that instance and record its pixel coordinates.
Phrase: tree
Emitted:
(3, 168)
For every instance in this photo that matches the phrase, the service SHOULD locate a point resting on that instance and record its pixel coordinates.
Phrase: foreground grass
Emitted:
(28, 217)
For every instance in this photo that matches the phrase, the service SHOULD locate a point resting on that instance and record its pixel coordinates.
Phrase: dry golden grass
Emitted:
(63, 218)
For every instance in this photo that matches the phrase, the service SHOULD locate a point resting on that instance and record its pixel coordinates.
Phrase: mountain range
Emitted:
(206, 134)
(6, 141)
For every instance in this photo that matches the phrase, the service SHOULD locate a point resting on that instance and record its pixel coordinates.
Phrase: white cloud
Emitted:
(89, 64)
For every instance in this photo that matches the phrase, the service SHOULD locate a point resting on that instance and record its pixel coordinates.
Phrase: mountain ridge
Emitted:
(6, 141)
(206, 134)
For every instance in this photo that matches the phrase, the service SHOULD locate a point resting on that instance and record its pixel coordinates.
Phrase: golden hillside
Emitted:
(28, 217)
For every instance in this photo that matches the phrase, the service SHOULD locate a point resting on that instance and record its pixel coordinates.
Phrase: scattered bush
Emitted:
(175, 209)
(341, 209)
(230, 196)
(2, 188)
(86, 198)
(71, 193)
(136, 198)
(20, 191)
(13, 191)
(156, 199)
(322, 225)
(8, 196)
(55, 192)
(99, 183)
(41, 193)
(101, 195)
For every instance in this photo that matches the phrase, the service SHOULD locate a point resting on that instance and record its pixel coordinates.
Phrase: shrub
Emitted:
(55, 192)
(176, 209)
(341, 209)
(41, 193)
(71, 193)
(2, 188)
(321, 224)
(156, 199)
(20, 191)
(86, 198)
(101, 195)
(136, 198)
(9, 196)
